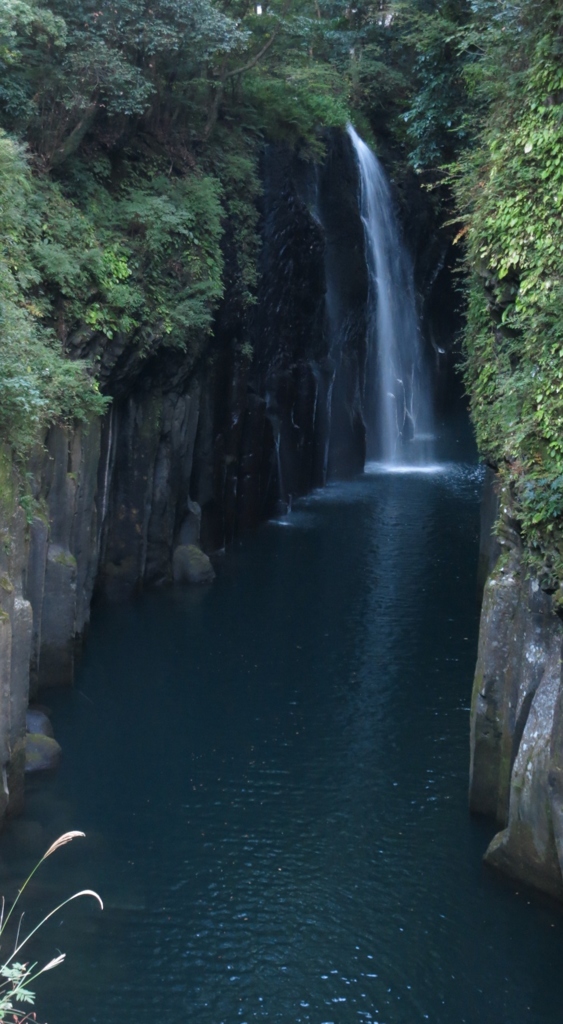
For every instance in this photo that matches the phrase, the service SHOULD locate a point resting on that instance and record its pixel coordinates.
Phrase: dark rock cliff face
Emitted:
(193, 450)
(517, 718)
(190, 455)
(255, 425)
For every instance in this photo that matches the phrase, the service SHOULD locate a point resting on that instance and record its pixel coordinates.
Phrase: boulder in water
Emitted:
(37, 722)
(191, 526)
(191, 565)
(41, 752)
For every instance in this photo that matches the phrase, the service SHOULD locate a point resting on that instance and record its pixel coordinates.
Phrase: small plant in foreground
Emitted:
(15, 976)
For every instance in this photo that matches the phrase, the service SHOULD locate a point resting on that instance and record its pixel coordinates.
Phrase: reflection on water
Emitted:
(272, 772)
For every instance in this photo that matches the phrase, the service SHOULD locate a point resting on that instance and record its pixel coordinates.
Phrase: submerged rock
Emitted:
(41, 752)
(37, 722)
(191, 565)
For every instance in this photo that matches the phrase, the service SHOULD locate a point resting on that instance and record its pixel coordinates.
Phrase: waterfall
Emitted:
(398, 403)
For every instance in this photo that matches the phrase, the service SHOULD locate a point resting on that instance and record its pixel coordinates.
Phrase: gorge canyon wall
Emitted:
(517, 711)
(190, 453)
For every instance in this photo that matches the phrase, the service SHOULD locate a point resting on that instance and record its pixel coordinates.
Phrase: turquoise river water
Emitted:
(272, 775)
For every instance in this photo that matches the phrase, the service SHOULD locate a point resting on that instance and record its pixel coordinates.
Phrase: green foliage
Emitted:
(163, 266)
(130, 173)
(292, 107)
(436, 125)
(70, 70)
(37, 384)
(510, 184)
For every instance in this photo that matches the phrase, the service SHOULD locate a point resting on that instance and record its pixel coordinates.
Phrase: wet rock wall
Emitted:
(517, 717)
(48, 563)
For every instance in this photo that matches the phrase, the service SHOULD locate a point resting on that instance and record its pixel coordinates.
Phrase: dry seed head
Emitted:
(88, 892)
(53, 963)
(62, 841)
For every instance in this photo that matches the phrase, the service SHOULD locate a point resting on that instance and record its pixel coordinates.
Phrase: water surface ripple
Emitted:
(272, 773)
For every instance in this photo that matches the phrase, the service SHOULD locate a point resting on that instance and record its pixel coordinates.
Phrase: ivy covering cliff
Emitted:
(485, 121)
(509, 184)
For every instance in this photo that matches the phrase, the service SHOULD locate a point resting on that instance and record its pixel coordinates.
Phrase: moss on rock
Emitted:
(191, 565)
(41, 752)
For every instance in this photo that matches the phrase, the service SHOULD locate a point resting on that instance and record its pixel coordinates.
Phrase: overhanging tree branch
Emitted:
(235, 73)
(257, 58)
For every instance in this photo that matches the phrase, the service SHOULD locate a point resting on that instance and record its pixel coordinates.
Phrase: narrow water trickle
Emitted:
(398, 401)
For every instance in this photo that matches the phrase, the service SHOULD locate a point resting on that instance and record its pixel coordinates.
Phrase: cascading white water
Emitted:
(398, 403)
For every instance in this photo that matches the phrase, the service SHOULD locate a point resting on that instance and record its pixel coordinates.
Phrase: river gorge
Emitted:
(271, 771)
(248, 597)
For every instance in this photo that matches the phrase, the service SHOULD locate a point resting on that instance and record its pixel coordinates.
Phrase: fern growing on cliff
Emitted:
(38, 385)
(510, 186)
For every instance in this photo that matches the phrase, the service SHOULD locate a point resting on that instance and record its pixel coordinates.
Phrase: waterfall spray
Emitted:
(398, 405)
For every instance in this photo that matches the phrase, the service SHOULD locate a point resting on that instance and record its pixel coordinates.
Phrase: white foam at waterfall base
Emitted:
(372, 468)
(398, 394)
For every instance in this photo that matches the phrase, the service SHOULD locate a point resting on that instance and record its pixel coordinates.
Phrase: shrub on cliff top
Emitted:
(38, 385)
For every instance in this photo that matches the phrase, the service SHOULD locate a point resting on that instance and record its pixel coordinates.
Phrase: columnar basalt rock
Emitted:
(192, 450)
(517, 726)
(67, 557)
(15, 641)
(196, 446)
